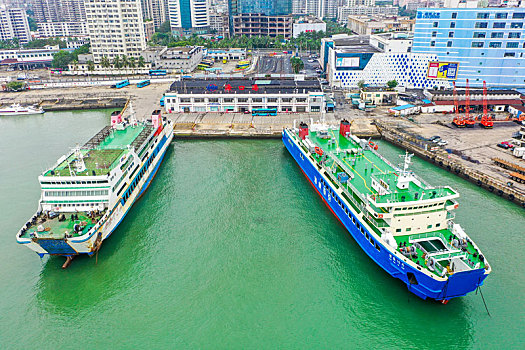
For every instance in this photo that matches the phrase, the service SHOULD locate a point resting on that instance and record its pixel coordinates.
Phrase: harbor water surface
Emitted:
(231, 247)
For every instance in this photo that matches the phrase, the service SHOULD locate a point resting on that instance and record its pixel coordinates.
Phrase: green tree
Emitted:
(61, 59)
(40, 43)
(91, 66)
(116, 62)
(361, 84)
(15, 85)
(9, 44)
(75, 64)
(132, 62)
(391, 84)
(164, 28)
(297, 64)
(104, 62)
(141, 63)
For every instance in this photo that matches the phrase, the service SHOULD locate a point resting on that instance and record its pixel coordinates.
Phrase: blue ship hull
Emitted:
(419, 283)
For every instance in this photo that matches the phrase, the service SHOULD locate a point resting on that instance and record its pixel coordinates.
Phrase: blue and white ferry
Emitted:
(405, 225)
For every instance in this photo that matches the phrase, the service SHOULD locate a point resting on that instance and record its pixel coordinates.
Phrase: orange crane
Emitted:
(458, 120)
(469, 121)
(486, 120)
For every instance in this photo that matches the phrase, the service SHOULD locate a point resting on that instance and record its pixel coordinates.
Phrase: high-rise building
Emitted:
(189, 16)
(155, 10)
(322, 8)
(299, 7)
(266, 7)
(59, 10)
(115, 27)
(486, 44)
(13, 24)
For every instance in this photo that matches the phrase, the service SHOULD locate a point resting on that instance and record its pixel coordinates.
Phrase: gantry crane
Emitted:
(486, 120)
(469, 120)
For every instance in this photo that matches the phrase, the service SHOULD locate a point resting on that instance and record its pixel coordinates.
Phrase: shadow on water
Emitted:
(89, 281)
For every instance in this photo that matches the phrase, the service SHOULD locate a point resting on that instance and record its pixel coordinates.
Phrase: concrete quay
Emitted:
(203, 125)
(476, 173)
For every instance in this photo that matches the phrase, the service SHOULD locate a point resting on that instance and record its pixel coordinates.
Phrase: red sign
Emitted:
(228, 87)
(255, 87)
(241, 87)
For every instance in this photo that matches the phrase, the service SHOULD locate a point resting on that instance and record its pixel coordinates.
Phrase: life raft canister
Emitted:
(373, 145)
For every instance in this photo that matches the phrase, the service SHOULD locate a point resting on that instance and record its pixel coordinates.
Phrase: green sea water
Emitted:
(231, 248)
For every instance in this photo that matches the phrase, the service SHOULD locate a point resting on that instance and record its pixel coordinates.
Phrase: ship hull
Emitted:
(90, 242)
(418, 282)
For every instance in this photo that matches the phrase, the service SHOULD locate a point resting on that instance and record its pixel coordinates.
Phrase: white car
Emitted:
(311, 60)
(442, 143)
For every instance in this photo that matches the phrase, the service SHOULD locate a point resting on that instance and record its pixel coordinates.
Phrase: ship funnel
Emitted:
(344, 128)
(303, 130)
(156, 118)
(116, 118)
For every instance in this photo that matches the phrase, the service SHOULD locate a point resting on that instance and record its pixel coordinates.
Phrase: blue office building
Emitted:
(487, 43)
(267, 7)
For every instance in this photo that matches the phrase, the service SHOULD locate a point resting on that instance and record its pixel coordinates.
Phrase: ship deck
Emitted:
(56, 229)
(102, 158)
(365, 164)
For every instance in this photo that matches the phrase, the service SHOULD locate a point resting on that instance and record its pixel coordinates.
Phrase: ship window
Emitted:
(371, 241)
(398, 230)
(377, 247)
(438, 224)
(366, 235)
(409, 229)
(429, 226)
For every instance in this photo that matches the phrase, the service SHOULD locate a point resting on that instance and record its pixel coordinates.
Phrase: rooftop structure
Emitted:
(308, 24)
(28, 57)
(366, 25)
(245, 95)
(344, 11)
(178, 59)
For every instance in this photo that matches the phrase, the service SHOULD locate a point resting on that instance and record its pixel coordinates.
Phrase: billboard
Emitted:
(346, 62)
(442, 70)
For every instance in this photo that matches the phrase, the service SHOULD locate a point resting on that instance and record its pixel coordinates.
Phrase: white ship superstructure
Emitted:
(87, 193)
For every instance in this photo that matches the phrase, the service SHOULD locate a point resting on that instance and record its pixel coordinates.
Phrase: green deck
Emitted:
(57, 229)
(366, 164)
(101, 159)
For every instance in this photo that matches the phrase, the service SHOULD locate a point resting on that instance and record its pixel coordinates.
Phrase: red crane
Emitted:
(458, 120)
(486, 121)
(469, 121)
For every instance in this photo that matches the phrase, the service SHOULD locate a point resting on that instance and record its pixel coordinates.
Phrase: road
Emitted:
(274, 65)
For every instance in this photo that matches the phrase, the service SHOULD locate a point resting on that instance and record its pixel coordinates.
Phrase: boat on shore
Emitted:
(404, 225)
(17, 109)
(89, 191)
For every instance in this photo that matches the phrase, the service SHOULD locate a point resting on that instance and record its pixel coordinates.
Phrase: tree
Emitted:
(91, 66)
(361, 84)
(164, 28)
(391, 84)
(104, 62)
(132, 62)
(75, 64)
(116, 62)
(9, 44)
(15, 85)
(142, 63)
(297, 64)
(61, 59)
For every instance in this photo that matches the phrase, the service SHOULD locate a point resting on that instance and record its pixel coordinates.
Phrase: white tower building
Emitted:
(115, 28)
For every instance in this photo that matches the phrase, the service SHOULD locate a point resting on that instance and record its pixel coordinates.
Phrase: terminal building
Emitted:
(488, 44)
(176, 59)
(375, 60)
(245, 95)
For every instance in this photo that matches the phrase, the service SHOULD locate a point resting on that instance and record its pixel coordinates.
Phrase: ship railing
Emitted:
(349, 195)
(422, 236)
(374, 221)
(396, 197)
(449, 255)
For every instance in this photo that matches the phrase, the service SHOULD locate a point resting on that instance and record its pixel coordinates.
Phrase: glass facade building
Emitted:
(488, 43)
(267, 7)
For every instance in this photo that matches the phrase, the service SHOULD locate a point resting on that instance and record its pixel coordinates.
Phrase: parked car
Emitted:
(442, 143)
(503, 145)
(510, 145)
(435, 137)
(311, 60)
(436, 140)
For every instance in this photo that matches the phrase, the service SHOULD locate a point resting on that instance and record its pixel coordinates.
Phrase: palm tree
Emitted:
(104, 62)
(125, 61)
(132, 63)
(116, 62)
(75, 64)
(142, 63)
(91, 66)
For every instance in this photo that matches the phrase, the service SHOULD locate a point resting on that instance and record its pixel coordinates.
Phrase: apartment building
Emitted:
(189, 16)
(254, 24)
(13, 24)
(115, 28)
